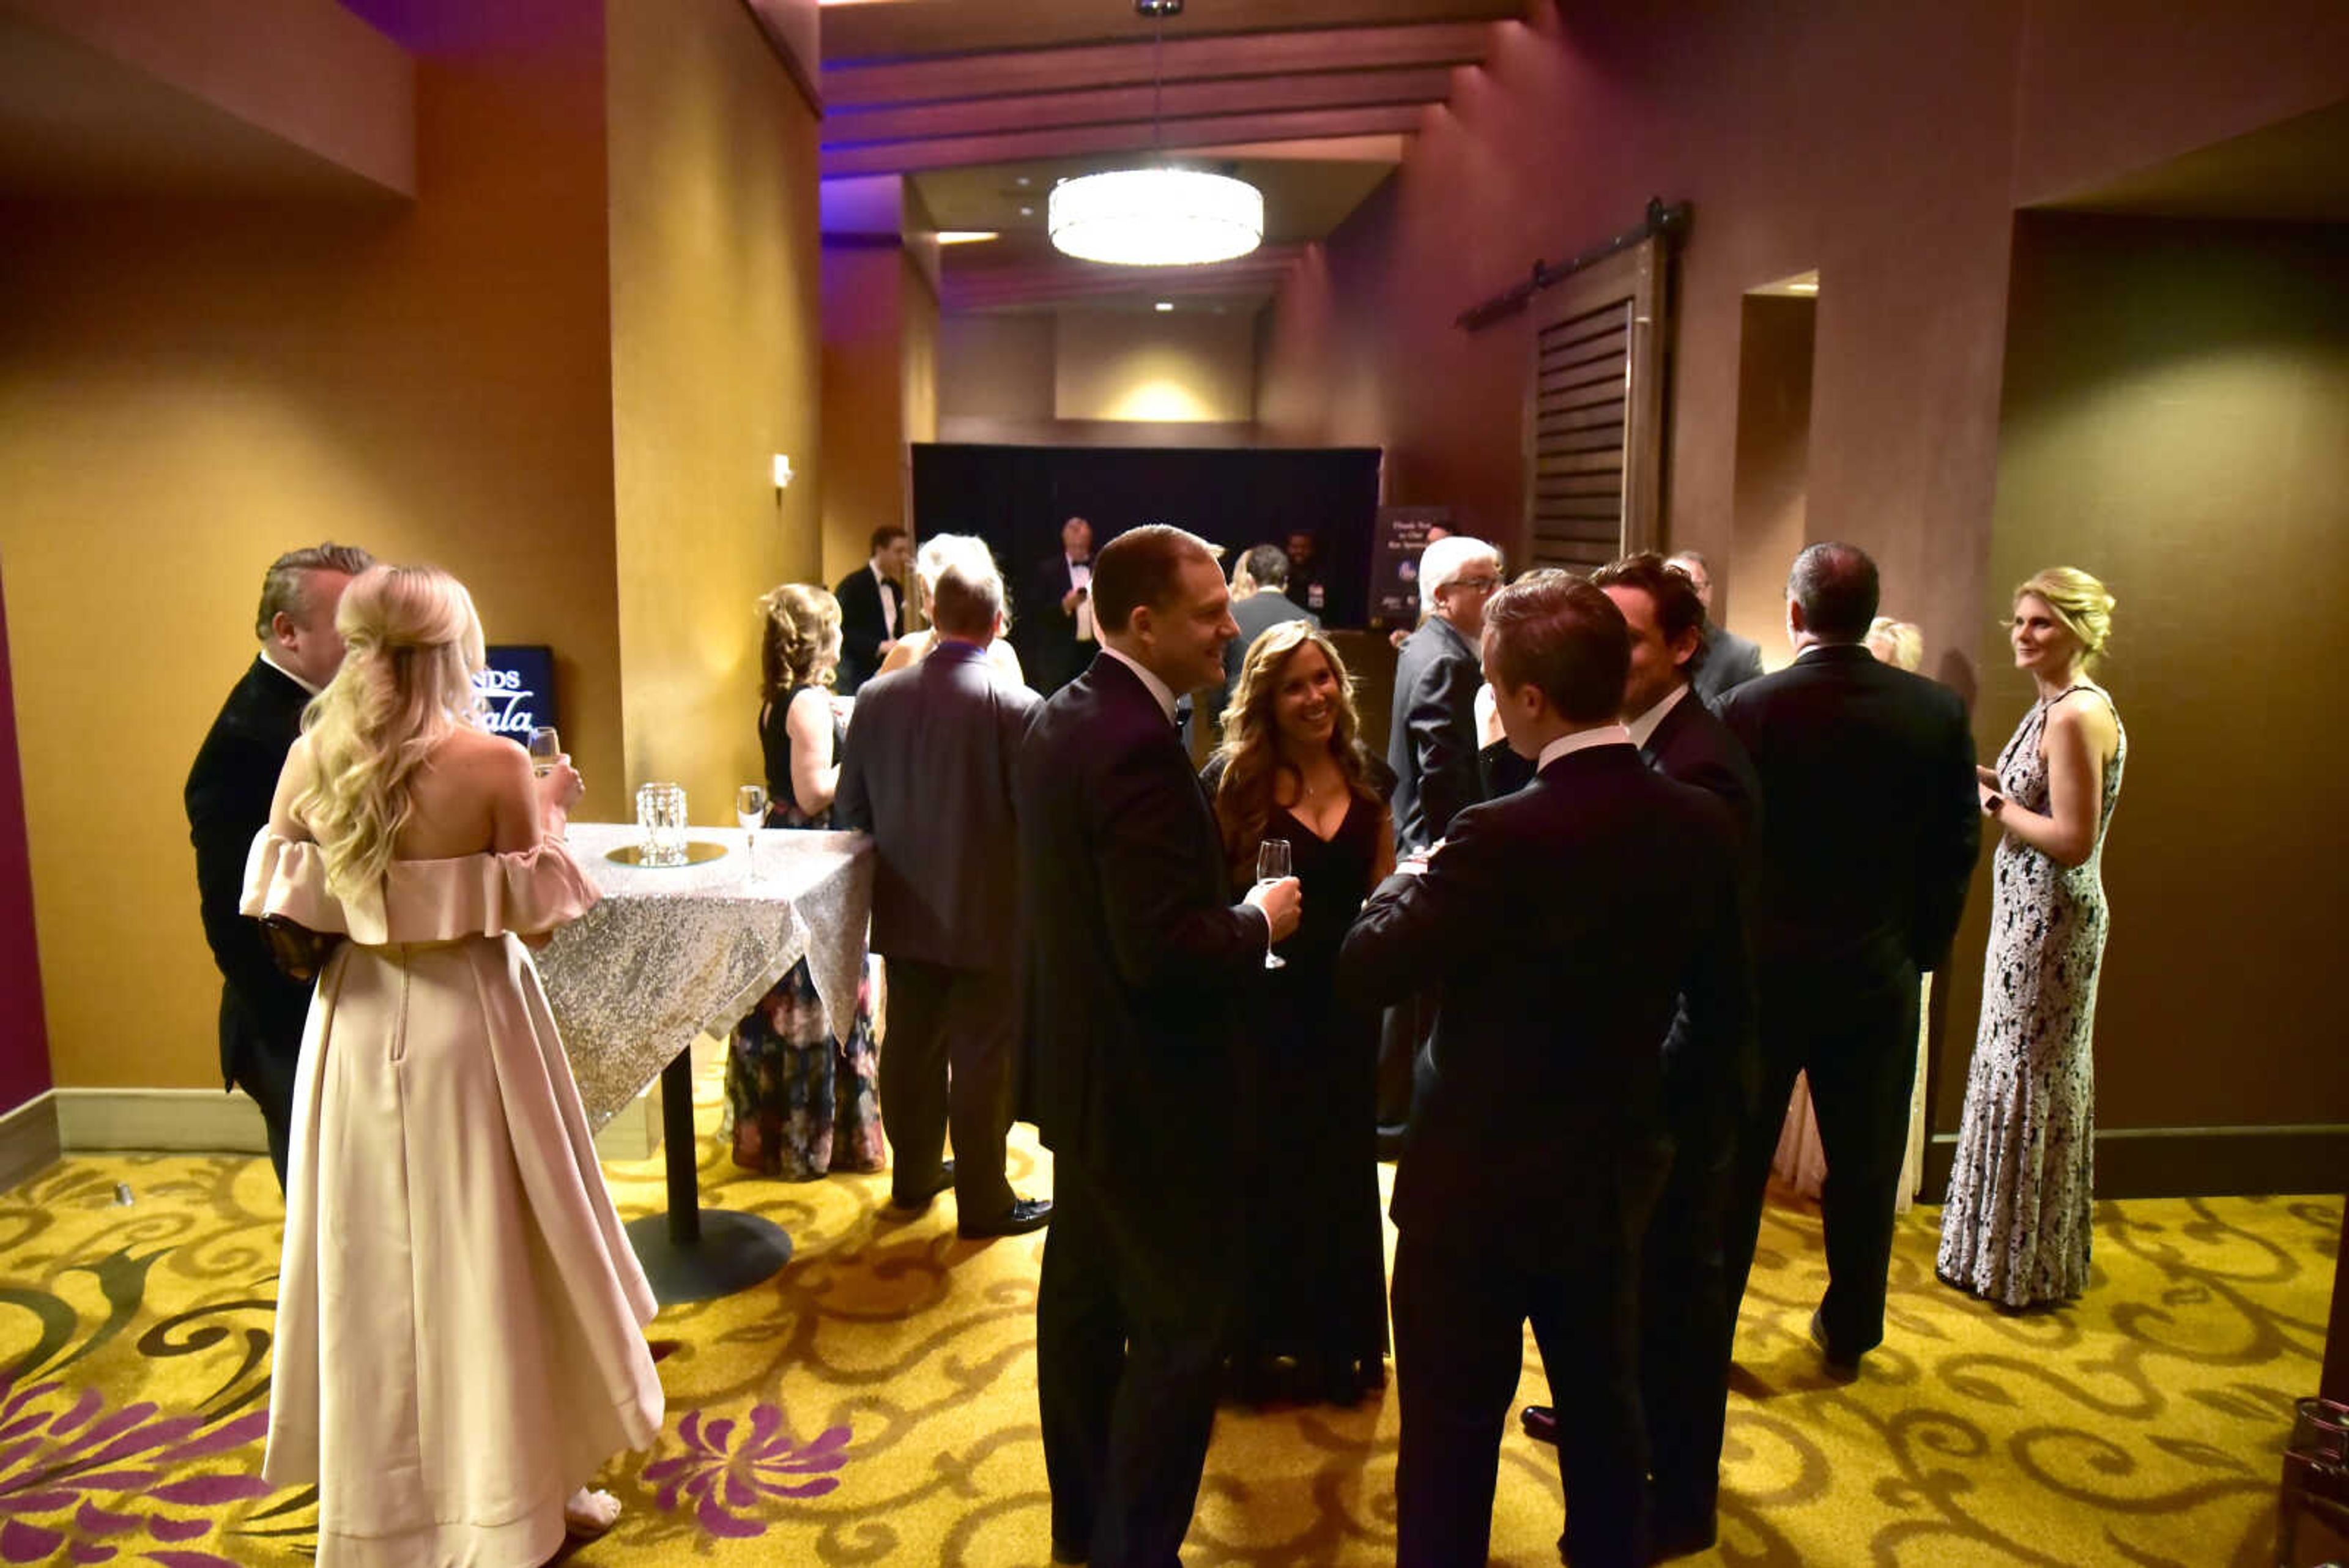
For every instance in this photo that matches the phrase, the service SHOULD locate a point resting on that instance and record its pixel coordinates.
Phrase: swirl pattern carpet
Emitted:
(875, 1403)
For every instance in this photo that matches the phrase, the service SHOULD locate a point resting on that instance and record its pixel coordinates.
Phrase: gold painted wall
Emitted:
(865, 353)
(188, 388)
(714, 334)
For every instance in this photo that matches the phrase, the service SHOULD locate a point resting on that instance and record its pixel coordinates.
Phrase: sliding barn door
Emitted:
(1594, 411)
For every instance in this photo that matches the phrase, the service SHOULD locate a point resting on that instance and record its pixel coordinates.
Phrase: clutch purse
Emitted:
(298, 951)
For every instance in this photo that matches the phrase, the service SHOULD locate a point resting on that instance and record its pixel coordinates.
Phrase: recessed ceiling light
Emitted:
(1027, 212)
(965, 237)
(1164, 305)
(1023, 182)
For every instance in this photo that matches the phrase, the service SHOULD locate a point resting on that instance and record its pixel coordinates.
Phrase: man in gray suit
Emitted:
(927, 771)
(1728, 660)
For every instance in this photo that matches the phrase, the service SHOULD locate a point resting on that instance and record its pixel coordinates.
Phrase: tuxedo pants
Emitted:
(1129, 1332)
(264, 1068)
(1459, 1337)
(1403, 1031)
(1684, 1332)
(948, 1060)
(1857, 1040)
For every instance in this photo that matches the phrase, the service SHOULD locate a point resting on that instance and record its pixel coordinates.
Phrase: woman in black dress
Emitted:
(804, 1103)
(1290, 767)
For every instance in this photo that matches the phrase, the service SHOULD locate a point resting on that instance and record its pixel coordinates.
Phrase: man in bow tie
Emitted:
(1058, 616)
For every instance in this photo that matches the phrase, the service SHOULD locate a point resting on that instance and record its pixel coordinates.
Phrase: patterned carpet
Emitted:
(874, 1403)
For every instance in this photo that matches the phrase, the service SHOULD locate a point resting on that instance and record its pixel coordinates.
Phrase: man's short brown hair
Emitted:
(1141, 566)
(1678, 609)
(1558, 633)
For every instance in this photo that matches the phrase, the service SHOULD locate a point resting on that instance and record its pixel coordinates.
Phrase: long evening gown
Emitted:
(460, 1320)
(2016, 1228)
(803, 1103)
(1315, 1288)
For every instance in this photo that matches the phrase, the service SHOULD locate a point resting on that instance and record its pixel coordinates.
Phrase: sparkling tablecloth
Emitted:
(673, 951)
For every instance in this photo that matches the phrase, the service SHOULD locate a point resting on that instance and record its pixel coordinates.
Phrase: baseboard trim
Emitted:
(28, 1138)
(175, 1121)
(2194, 1162)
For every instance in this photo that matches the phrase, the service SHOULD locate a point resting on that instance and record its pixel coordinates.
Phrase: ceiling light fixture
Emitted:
(966, 236)
(1163, 306)
(1156, 215)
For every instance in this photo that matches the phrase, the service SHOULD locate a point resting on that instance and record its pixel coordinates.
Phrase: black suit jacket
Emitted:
(1705, 1103)
(929, 771)
(1140, 961)
(1869, 818)
(863, 627)
(228, 795)
(1431, 733)
(1559, 927)
(1729, 662)
(1049, 645)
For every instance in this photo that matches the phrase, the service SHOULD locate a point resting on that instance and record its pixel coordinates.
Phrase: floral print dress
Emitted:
(803, 1103)
(2015, 1229)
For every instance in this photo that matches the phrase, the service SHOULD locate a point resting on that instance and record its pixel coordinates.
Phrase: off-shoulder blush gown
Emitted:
(460, 1320)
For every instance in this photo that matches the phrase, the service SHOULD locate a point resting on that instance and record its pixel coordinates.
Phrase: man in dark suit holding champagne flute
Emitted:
(1139, 961)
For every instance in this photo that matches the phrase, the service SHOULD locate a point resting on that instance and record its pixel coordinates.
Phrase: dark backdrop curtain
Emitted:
(1017, 497)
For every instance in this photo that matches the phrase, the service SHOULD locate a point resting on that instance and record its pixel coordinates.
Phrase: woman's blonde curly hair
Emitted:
(802, 642)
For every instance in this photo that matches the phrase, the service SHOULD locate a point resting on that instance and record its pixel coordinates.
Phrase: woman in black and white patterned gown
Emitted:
(2016, 1228)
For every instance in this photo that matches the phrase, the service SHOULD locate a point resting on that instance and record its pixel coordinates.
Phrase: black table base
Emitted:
(692, 1253)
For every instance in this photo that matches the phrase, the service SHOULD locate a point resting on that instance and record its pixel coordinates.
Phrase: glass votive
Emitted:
(660, 815)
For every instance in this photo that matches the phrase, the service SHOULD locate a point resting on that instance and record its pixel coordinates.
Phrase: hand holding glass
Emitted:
(1272, 866)
(545, 750)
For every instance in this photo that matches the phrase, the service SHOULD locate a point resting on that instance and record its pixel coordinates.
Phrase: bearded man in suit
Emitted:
(1141, 963)
(1683, 1306)
(1540, 1138)
(1870, 822)
(229, 789)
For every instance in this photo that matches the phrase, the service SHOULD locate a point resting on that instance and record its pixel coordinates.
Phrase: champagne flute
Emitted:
(545, 750)
(1272, 866)
(751, 811)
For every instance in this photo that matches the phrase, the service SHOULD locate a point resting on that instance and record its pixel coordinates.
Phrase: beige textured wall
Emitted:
(715, 363)
(1181, 366)
(996, 368)
(2176, 421)
(872, 330)
(187, 390)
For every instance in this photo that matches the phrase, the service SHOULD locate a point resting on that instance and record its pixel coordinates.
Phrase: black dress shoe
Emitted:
(1673, 1534)
(1842, 1368)
(1540, 1422)
(1024, 1214)
(916, 1203)
(1064, 1551)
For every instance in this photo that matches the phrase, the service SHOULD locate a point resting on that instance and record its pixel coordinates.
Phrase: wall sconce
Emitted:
(782, 472)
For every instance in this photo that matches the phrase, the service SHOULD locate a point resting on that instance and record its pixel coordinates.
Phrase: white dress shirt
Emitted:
(1582, 740)
(888, 601)
(1640, 727)
(1158, 689)
(289, 675)
(1081, 576)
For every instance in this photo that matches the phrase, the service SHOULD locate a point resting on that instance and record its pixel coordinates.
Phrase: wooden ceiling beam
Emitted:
(1137, 105)
(951, 78)
(908, 28)
(1076, 142)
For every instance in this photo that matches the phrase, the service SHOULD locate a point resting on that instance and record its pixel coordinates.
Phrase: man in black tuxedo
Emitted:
(1729, 660)
(1684, 1304)
(1432, 746)
(1057, 621)
(873, 608)
(228, 794)
(927, 771)
(1560, 926)
(1142, 965)
(1869, 828)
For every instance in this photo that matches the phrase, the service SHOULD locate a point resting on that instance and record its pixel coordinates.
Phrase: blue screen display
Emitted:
(518, 688)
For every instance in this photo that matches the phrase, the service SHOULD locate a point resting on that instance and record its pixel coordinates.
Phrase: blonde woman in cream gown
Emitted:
(460, 1320)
